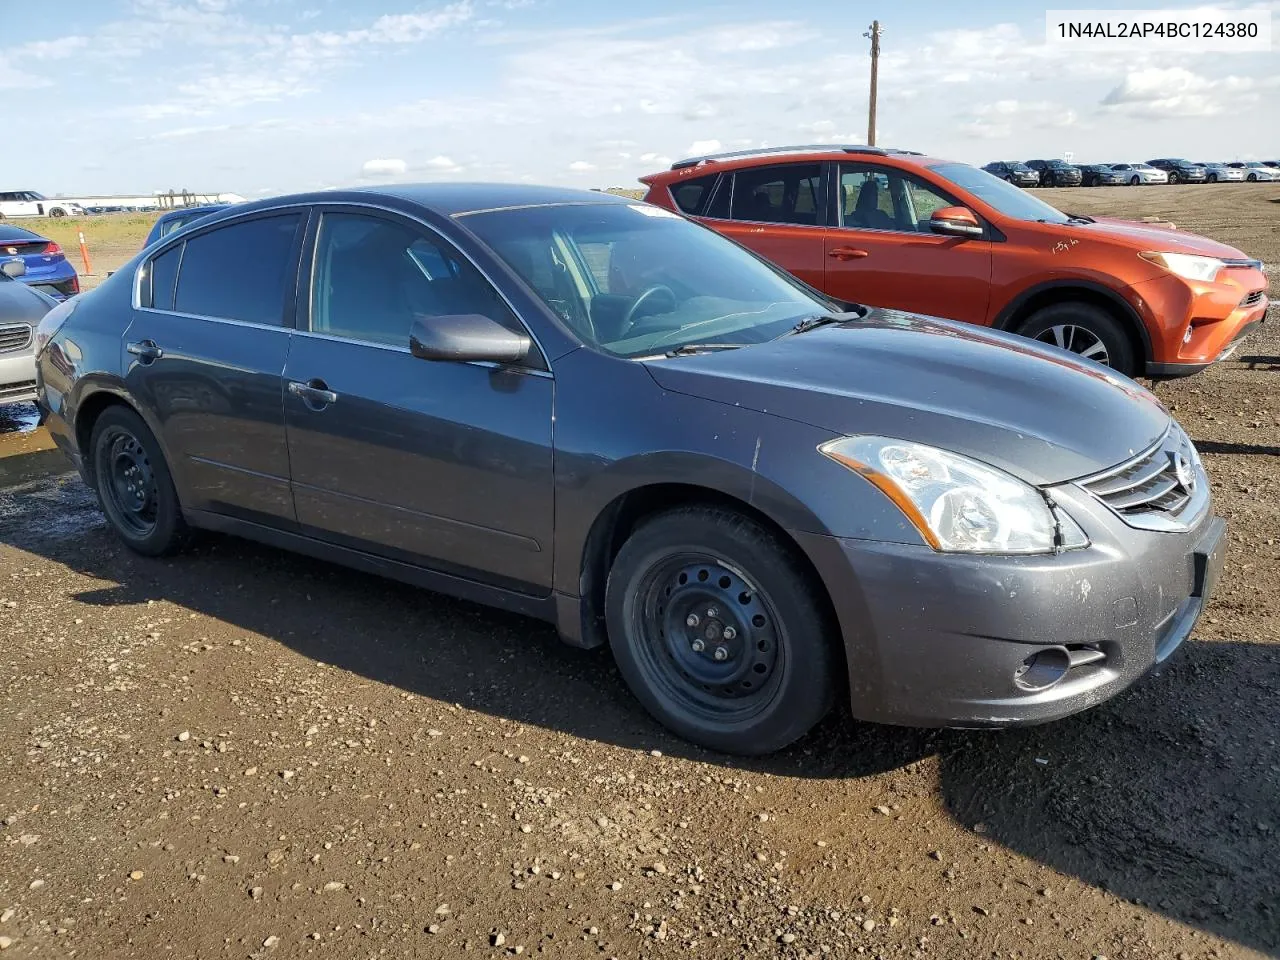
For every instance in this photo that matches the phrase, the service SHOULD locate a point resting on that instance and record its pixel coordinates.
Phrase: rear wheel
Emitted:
(720, 632)
(134, 485)
(1085, 330)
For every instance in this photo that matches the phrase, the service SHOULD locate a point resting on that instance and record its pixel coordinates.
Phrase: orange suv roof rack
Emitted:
(803, 148)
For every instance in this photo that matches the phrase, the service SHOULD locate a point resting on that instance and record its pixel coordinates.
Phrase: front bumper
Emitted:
(1194, 324)
(18, 376)
(936, 639)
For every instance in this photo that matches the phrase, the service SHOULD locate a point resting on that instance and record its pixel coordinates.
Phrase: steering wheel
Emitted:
(629, 319)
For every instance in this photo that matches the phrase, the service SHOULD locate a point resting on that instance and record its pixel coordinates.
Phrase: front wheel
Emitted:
(1212, 178)
(57, 212)
(720, 632)
(1253, 177)
(1134, 181)
(134, 485)
(1173, 178)
(1085, 330)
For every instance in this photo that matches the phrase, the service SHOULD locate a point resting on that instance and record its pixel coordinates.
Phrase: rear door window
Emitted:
(242, 271)
(785, 193)
(163, 273)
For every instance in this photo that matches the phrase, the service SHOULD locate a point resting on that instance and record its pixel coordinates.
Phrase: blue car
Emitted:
(48, 269)
(174, 220)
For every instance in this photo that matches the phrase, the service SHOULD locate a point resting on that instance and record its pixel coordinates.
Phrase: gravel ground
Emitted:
(244, 753)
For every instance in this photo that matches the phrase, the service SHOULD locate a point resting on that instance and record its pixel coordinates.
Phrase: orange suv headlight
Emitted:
(1186, 265)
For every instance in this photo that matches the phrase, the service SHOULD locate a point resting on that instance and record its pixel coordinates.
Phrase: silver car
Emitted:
(1221, 173)
(1255, 170)
(21, 308)
(1139, 173)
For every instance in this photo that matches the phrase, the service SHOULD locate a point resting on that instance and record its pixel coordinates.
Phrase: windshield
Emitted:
(637, 280)
(1019, 166)
(1010, 200)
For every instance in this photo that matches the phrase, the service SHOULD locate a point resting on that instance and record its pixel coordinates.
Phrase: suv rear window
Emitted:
(691, 196)
(239, 272)
(786, 193)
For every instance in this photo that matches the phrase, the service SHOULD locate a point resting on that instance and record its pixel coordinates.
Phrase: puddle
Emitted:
(18, 418)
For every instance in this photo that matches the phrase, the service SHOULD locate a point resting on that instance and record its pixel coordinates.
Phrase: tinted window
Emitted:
(239, 272)
(164, 271)
(878, 198)
(373, 276)
(781, 194)
(691, 196)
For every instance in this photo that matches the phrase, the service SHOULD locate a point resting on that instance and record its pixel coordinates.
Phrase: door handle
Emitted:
(145, 350)
(313, 392)
(847, 253)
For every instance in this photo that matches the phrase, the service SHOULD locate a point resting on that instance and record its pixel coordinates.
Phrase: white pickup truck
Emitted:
(28, 203)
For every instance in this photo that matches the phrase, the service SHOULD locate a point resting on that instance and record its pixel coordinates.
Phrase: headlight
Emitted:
(1185, 265)
(958, 505)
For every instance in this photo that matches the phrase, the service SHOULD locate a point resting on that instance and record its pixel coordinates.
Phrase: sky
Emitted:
(262, 97)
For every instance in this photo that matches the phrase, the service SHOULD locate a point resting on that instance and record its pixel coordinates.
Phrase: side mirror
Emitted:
(14, 268)
(956, 222)
(466, 336)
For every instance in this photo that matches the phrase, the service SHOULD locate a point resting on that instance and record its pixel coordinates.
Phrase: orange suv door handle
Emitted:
(847, 253)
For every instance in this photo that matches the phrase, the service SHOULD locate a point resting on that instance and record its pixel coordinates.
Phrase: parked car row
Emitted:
(1059, 173)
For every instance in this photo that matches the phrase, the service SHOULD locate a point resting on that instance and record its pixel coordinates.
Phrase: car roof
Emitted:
(445, 199)
(9, 231)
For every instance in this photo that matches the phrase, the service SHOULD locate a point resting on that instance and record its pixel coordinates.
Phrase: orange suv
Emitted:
(894, 228)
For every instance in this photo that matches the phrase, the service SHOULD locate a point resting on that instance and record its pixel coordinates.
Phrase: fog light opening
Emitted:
(1042, 669)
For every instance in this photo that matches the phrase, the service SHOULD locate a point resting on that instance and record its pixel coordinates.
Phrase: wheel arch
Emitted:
(1021, 307)
(93, 401)
(621, 515)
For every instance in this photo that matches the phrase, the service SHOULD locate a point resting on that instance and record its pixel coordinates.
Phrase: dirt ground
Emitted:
(244, 753)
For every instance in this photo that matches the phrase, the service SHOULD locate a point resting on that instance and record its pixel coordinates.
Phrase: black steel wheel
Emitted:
(133, 483)
(719, 630)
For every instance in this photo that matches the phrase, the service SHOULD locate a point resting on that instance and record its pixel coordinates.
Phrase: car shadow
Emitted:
(1243, 449)
(1165, 796)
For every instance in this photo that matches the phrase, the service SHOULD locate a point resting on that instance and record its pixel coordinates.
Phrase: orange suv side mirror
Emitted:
(956, 222)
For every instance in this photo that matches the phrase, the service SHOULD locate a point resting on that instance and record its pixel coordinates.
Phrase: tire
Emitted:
(1211, 178)
(686, 577)
(1173, 178)
(134, 486)
(57, 212)
(1253, 178)
(1080, 328)
(1008, 179)
(1134, 181)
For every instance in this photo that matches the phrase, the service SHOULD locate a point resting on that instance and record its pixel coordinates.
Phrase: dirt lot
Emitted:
(244, 753)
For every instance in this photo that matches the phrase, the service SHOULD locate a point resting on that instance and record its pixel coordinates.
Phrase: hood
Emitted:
(1031, 410)
(1149, 236)
(20, 303)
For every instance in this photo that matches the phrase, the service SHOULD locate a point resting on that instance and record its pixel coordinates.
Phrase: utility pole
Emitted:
(873, 32)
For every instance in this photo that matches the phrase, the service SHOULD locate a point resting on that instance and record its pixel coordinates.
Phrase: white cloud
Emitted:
(701, 147)
(390, 167)
(1156, 93)
(442, 164)
(581, 166)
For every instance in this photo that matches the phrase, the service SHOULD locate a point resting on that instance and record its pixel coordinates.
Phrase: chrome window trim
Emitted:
(319, 205)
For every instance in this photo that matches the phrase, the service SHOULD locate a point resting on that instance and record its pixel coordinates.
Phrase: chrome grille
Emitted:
(14, 337)
(1252, 298)
(1164, 488)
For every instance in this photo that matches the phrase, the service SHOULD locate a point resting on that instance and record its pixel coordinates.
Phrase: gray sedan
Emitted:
(21, 308)
(596, 412)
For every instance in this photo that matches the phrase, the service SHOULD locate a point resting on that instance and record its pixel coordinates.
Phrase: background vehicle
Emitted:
(895, 229)
(593, 411)
(21, 308)
(1056, 173)
(1099, 175)
(1139, 173)
(174, 220)
(1255, 170)
(1221, 173)
(1015, 172)
(1180, 171)
(28, 203)
(47, 267)
(1273, 164)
